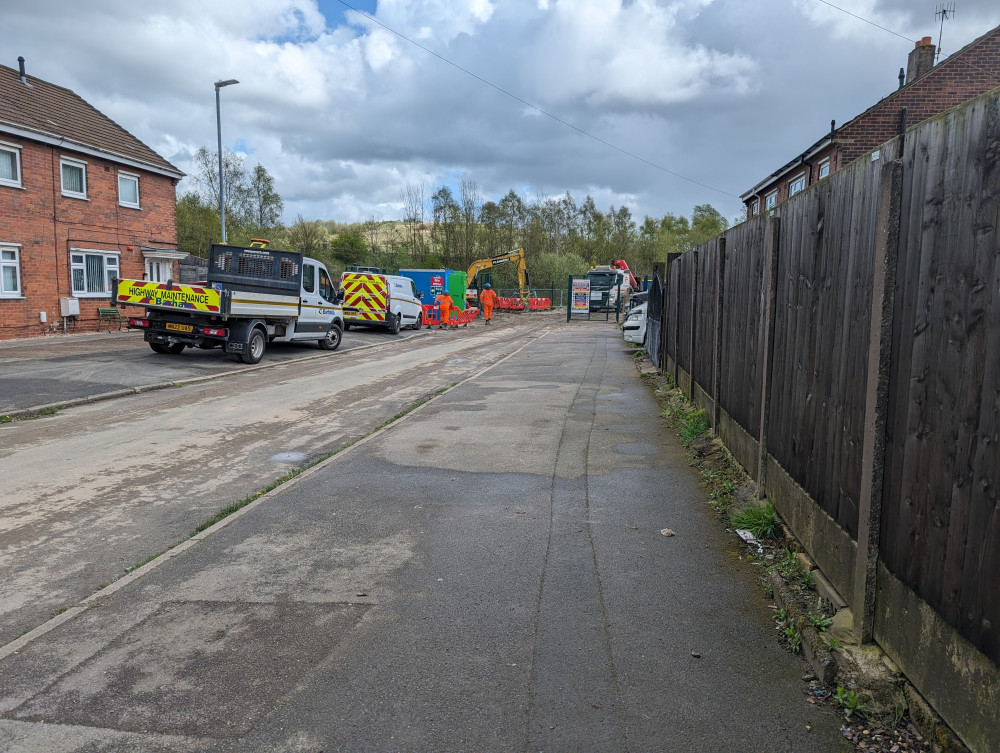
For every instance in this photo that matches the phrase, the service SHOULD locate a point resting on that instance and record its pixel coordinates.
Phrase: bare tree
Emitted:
(414, 198)
(372, 230)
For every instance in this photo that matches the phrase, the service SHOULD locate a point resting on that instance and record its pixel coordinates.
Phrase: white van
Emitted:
(377, 300)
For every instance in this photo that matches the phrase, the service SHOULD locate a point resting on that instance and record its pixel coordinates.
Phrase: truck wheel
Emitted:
(175, 348)
(256, 346)
(332, 339)
(393, 323)
(157, 348)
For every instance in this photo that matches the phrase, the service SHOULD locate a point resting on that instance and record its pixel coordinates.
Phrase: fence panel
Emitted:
(704, 321)
(742, 329)
(821, 334)
(654, 314)
(685, 321)
(670, 321)
(940, 530)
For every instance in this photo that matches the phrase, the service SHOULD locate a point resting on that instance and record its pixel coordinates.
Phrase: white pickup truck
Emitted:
(253, 295)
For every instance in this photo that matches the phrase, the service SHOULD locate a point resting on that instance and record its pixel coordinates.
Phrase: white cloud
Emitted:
(344, 116)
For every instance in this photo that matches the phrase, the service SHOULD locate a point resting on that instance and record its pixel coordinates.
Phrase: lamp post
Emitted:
(218, 122)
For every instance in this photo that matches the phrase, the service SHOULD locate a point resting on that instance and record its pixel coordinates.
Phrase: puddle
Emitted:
(288, 457)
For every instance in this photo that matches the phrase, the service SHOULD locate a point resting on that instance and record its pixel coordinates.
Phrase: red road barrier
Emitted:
(432, 315)
(539, 304)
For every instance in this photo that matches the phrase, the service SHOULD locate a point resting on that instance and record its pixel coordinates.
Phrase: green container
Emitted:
(457, 283)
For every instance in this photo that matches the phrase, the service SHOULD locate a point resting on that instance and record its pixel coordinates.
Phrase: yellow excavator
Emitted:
(472, 292)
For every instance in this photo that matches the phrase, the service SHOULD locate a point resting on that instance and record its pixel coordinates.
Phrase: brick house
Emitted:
(925, 90)
(81, 201)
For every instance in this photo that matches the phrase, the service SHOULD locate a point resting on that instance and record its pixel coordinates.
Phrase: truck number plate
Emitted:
(179, 327)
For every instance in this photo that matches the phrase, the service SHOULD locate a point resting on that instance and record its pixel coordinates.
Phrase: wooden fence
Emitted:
(847, 346)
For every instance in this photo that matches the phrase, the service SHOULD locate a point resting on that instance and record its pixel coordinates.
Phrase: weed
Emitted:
(710, 475)
(728, 487)
(794, 638)
(768, 588)
(5, 419)
(757, 518)
(807, 580)
(831, 642)
(820, 621)
(694, 426)
(780, 615)
(59, 611)
(49, 411)
(848, 699)
(788, 564)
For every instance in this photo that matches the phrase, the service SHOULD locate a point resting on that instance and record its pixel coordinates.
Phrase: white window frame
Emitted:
(133, 177)
(160, 260)
(771, 200)
(16, 151)
(800, 181)
(7, 248)
(754, 207)
(70, 162)
(106, 268)
(823, 165)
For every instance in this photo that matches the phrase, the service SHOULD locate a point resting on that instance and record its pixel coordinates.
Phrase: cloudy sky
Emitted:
(655, 104)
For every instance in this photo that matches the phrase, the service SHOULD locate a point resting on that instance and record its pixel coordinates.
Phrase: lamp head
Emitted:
(227, 82)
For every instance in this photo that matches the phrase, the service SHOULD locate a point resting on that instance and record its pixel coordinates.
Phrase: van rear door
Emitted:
(366, 298)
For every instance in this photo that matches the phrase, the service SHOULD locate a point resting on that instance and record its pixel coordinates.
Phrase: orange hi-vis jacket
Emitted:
(489, 299)
(445, 302)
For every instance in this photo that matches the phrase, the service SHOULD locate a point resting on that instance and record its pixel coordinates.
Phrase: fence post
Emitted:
(720, 279)
(877, 398)
(770, 303)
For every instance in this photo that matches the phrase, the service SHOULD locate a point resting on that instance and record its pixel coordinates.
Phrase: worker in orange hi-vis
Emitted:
(488, 299)
(444, 302)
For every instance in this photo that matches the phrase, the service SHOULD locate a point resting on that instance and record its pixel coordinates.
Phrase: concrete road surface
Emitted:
(436, 588)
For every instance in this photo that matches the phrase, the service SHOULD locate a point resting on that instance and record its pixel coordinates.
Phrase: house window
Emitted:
(92, 272)
(824, 168)
(754, 207)
(10, 165)
(128, 190)
(771, 200)
(796, 184)
(10, 271)
(74, 178)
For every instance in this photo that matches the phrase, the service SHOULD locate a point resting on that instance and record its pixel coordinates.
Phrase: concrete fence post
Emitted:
(770, 292)
(693, 319)
(877, 398)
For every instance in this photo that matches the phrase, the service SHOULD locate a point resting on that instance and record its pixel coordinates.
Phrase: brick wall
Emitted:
(47, 225)
(968, 73)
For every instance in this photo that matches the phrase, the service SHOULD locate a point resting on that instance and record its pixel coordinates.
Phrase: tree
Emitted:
(414, 202)
(349, 247)
(197, 225)
(447, 217)
(307, 236)
(263, 202)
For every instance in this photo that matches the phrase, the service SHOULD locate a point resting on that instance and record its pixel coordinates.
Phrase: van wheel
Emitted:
(420, 321)
(393, 323)
(347, 326)
(332, 339)
(256, 346)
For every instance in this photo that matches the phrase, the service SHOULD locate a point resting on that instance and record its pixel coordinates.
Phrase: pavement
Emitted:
(487, 573)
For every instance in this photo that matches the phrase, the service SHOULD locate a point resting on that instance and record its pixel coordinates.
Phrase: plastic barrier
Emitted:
(431, 316)
(510, 304)
(539, 304)
(464, 317)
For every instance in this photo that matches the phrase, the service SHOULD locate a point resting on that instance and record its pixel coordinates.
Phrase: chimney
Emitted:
(902, 78)
(921, 60)
(20, 62)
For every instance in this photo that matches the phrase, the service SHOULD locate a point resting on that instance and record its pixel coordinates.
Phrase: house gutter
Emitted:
(801, 160)
(61, 141)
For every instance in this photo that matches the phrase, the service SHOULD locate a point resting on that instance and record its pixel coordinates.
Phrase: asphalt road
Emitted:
(486, 573)
(46, 371)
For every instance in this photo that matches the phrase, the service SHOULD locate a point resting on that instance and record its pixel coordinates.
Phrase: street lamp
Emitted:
(222, 185)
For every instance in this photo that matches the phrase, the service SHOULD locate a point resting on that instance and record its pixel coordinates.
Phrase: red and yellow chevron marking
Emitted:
(367, 294)
(190, 297)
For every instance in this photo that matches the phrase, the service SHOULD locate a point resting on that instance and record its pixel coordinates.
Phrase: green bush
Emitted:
(757, 518)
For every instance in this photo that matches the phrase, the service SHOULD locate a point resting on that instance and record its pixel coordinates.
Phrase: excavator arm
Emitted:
(482, 264)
